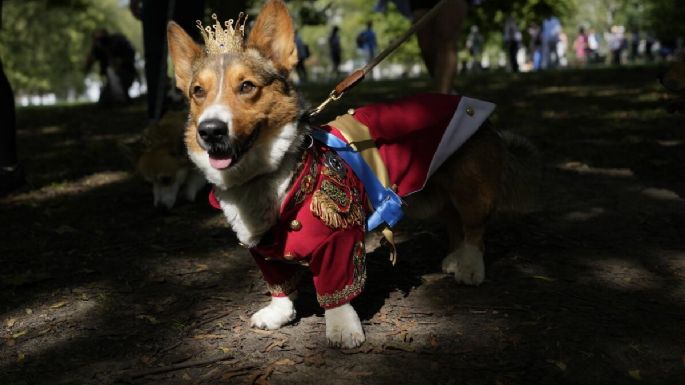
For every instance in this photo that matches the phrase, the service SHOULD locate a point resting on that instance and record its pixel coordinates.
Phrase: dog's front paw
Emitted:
(278, 313)
(343, 328)
(466, 263)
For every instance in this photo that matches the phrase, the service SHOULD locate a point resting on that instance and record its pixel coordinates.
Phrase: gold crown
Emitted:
(224, 40)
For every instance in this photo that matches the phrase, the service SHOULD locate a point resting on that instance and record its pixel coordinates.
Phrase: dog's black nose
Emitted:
(213, 131)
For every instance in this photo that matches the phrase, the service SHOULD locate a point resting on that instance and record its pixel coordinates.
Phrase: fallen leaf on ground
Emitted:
(58, 305)
(10, 322)
(148, 318)
(224, 349)
(147, 360)
(635, 374)
(558, 364)
(284, 361)
(393, 345)
(228, 374)
(208, 337)
(433, 339)
(28, 311)
(19, 334)
(315, 359)
(199, 267)
(262, 378)
(543, 278)
(274, 344)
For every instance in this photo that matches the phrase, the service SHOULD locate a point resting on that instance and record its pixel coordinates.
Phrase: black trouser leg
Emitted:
(8, 127)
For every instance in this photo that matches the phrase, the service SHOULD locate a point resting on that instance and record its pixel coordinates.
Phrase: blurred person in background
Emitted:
(551, 30)
(617, 43)
(580, 46)
(474, 43)
(634, 45)
(335, 49)
(535, 46)
(592, 47)
(116, 58)
(302, 55)
(512, 42)
(367, 43)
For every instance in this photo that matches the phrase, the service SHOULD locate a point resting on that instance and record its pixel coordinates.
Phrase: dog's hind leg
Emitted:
(466, 260)
(471, 181)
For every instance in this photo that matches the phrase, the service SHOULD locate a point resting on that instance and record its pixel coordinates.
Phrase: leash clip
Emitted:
(331, 98)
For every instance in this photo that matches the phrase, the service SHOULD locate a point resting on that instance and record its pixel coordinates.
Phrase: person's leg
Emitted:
(513, 53)
(438, 43)
(187, 12)
(426, 39)
(155, 14)
(11, 173)
(8, 140)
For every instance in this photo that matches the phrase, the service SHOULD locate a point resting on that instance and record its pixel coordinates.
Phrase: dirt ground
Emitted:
(96, 287)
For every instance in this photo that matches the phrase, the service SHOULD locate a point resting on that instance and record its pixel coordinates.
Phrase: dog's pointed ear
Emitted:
(273, 35)
(184, 51)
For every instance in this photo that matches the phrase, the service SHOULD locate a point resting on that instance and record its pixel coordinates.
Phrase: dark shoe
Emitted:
(11, 179)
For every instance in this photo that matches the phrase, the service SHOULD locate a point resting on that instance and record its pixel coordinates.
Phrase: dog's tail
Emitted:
(522, 173)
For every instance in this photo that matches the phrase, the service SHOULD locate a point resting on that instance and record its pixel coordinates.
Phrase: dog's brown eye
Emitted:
(246, 87)
(199, 92)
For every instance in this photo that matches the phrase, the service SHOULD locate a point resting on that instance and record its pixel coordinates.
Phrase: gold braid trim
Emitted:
(358, 282)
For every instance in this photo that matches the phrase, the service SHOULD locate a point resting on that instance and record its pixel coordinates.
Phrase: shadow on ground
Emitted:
(97, 287)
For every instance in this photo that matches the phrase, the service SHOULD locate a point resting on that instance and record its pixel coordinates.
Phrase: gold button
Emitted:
(350, 111)
(470, 111)
(295, 225)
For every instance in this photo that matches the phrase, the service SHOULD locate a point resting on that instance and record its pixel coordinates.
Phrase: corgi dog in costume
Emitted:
(289, 192)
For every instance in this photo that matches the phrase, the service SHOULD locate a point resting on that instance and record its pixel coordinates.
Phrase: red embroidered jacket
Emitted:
(322, 218)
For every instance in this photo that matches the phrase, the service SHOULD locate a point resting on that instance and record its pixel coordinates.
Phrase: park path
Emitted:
(588, 288)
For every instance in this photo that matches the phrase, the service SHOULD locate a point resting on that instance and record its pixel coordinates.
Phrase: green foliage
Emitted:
(44, 43)
(666, 18)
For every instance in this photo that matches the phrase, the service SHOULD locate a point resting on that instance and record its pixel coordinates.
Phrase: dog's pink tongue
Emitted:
(220, 163)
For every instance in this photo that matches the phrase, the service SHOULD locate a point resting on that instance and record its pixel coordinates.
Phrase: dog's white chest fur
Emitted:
(253, 208)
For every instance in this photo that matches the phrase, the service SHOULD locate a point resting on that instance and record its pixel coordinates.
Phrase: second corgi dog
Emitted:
(160, 157)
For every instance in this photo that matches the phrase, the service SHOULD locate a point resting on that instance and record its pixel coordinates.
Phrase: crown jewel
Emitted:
(220, 40)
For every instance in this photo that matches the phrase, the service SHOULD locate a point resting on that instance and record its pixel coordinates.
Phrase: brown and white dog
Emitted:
(159, 157)
(244, 134)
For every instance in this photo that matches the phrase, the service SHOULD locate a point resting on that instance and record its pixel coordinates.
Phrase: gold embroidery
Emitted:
(357, 285)
(334, 206)
(332, 174)
(307, 183)
(334, 202)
